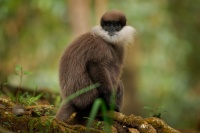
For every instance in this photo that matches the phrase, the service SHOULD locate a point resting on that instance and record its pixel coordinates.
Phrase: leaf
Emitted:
(148, 108)
(98, 123)
(38, 96)
(161, 107)
(16, 73)
(18, 68)
(5, 83)
(80, 92)
(27, 73)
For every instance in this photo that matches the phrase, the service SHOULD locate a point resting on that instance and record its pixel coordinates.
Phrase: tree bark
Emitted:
(100, 9)
(79, 14)
(46, 122)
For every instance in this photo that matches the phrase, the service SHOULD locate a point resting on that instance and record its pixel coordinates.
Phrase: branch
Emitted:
(37, 119)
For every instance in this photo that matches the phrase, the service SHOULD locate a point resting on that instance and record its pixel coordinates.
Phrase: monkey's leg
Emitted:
(119, 95)
(85, 100)
(65, 112)
(100, 74)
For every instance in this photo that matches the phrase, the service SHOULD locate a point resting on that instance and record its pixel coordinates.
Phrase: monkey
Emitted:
(95, 57)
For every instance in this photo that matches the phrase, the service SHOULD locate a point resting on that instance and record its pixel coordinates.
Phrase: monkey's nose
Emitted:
(111, 33)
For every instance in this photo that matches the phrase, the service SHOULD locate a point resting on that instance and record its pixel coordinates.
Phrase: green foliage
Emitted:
(156, 111)
(48, 124)
(167, 56)
(43, 126)
(98, 124)
(27, 99)
(57, 101)
(19, 71)
(1, 87)
(2, 84)
(32, 33)
(99, 103)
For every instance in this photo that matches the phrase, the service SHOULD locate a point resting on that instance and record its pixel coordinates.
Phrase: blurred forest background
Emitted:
(162, 70)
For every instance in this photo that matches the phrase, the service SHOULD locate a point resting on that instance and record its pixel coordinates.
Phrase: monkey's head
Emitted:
(113, 22)
(113, 28)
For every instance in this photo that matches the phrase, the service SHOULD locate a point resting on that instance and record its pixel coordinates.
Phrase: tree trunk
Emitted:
(79, 14)
(100, 9)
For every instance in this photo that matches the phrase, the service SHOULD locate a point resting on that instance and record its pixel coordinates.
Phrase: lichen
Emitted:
(44, 122)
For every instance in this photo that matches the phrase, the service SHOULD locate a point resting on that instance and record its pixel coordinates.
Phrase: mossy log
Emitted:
(39, 119)
(47, 94)
(160, 125)
(29, 122)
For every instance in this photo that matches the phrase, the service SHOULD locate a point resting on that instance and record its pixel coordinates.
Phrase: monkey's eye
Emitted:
(117, 26)
(106, 25)
(112, 26)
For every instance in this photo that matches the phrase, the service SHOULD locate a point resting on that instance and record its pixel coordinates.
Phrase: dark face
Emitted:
(112, 27)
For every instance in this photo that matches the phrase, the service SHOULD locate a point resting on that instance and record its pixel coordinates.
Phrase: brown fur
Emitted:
(114, 15)
(89, 60)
